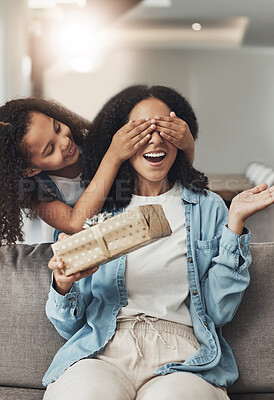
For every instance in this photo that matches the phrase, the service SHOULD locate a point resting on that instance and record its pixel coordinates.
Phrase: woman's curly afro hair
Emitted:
(112, 117)
(17, 191)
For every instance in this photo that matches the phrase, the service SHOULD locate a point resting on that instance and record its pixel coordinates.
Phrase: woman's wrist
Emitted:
(62, 289)
(235, 223)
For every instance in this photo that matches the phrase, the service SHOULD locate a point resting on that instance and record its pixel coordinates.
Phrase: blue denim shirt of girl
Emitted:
(217, 262)
(47, 182)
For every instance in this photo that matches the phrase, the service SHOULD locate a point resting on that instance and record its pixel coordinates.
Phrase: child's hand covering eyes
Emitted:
(177, 132)
(130, 138)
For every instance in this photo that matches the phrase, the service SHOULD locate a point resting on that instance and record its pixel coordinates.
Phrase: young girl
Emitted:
(149, 325)
(41, 164)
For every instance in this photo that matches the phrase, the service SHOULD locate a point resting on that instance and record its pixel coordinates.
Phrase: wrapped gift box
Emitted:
(112, 238)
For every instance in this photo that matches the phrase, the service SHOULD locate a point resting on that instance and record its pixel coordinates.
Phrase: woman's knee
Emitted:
(90, 379)
(180, 386)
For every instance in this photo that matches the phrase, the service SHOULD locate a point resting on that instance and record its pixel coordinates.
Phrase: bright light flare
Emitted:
(79, 41)
(75, 36)
(82, 64)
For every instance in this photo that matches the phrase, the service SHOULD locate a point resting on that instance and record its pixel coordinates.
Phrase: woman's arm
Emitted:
(228, 276)
(66, 305)
(66, 313)
(248, 203)
(124, 144)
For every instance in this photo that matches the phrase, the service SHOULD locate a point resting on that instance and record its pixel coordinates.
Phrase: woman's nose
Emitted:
(155, 138)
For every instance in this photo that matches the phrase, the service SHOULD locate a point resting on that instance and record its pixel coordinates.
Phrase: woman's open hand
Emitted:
(248, 203)
(63, 283)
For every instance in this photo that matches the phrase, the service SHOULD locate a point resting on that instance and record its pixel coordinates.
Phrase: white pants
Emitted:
(125, 369)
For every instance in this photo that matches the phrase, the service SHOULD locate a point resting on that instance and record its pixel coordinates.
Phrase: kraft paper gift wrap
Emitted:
(112, 238)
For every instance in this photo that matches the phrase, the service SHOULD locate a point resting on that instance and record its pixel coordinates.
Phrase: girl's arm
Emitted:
(177, 132)
(124, 144)
(228, 276)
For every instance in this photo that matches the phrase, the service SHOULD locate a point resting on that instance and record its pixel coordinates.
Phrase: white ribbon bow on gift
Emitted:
(96, 219)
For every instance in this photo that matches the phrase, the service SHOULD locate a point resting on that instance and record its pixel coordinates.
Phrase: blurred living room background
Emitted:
(217, 53)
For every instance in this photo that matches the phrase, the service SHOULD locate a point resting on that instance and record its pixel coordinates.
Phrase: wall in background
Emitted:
(15, 67)
(2, 66)
(232, 92)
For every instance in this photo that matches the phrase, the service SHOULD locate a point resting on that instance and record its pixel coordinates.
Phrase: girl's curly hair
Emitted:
(112, 117)
(17, 191)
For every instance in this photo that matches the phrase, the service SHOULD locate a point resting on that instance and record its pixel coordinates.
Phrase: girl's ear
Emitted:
(32, 171)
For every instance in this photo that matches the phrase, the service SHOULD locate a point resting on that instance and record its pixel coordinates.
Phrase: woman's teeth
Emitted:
(155, 157)
(160, 154)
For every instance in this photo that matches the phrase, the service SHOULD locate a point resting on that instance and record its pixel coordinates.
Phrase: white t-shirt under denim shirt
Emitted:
(156, 274)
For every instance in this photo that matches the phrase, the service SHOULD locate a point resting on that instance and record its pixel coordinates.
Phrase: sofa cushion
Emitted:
(251, 396)
(28, 340)
(250, 334)
(11, 393)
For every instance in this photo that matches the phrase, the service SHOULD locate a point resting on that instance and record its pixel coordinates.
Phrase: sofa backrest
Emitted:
(28, 341)
(250, 333)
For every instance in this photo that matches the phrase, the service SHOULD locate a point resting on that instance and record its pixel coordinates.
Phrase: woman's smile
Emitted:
(155, 158)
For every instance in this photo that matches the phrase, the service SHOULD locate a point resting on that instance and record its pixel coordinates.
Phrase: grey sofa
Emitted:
(28, 341)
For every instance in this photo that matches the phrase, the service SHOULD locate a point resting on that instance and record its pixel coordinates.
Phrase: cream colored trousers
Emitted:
(125, 369)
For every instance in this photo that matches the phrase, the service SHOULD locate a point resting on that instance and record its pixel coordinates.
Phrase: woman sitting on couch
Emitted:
(149, 325)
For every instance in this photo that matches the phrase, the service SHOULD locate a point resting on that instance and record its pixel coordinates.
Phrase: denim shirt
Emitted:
(217, 262)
